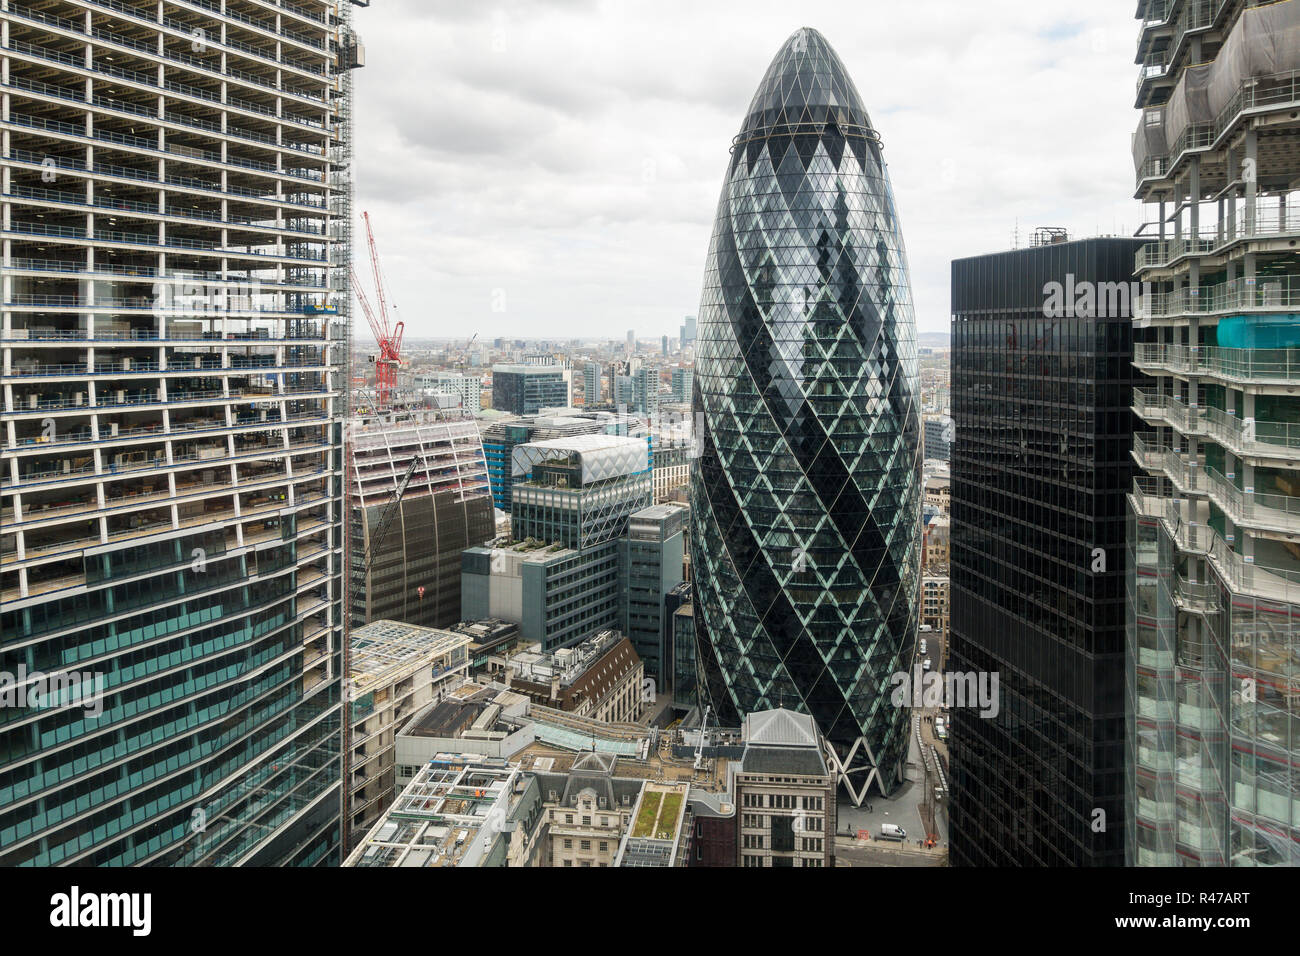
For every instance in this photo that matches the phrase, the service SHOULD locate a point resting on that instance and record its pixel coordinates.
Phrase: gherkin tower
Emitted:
(806, 497)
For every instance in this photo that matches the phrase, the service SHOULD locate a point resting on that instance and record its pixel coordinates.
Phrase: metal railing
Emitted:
(1252, 508)
(1174, 412)
(1252, 437)
(1265, 220)
(1243, 294)
(1238, 365)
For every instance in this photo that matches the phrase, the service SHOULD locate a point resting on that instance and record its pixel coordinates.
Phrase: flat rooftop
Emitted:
(437, 819)
(382, 649)
(457, 712)
(658, 512)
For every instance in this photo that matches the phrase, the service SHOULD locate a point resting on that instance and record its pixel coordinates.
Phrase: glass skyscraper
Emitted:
(1213, 682)
(805, 533)
(175, 353)
(1040, 469)
(527, 389)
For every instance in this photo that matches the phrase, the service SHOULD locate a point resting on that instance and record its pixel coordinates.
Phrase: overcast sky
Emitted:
(550, 168)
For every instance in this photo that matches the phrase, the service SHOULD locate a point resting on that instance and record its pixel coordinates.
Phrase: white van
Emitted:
(924, 646)
(891, 831)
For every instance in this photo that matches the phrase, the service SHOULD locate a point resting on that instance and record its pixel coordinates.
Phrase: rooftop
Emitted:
(570, 663)
(658, 512)
(653, 838)
(782, 741)
(450, 814)
(527, 369)
(463, 710)
(383, 649)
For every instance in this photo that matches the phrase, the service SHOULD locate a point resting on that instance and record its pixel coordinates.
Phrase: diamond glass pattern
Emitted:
(806, 499)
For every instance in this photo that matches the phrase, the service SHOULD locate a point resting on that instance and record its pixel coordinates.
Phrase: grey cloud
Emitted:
(572, 152)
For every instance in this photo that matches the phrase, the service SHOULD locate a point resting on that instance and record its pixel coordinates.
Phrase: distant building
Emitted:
(938, 492)
(591, 391)
(672, 467)
(683, 382)
(934, 602)
(682, 622)
(487, 638)
(501, 438)
(526, 389)
(645, 391)
(571, 500)
(393, 670)
(467, 389)
(624, 392)
(688, 331)
(650, 567)
(938, 541)
(664, 346)
(938, 437)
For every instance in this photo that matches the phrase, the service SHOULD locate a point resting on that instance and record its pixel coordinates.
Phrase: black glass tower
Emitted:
(1042, 380)
(806, 499)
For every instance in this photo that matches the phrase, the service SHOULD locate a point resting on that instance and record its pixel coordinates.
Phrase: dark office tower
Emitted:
(805, 538)
(1041, 384)
(527, 389)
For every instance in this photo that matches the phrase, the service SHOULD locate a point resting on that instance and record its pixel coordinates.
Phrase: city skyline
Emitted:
(949, 516)
(556, 168)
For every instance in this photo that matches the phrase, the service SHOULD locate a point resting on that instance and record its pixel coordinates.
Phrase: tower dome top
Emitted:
(806, 83)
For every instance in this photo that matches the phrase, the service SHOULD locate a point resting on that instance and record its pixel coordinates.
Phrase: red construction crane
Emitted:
(387, 335)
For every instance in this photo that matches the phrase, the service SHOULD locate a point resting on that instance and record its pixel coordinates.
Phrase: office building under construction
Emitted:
(418, 495)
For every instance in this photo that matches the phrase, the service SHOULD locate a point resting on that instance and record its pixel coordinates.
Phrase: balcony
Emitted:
(1243, 294)
(1239, 366)
(1261, 511)
(1155, 17)
(1167, 410)
(1158, 458)
(1267, 221)
(1184, 473)
(1154, 66)
(1253, 439)
(1199, 596)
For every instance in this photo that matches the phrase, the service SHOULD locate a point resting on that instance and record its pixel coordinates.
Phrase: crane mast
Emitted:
(388, 335)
